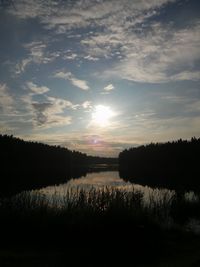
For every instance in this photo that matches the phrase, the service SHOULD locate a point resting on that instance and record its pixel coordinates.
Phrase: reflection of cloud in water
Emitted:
(153, 198)
(107, 179)
(91, 180)
(99, 179)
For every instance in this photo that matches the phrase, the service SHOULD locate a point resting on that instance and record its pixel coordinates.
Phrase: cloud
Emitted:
(109, 87)
(37, 53)
(142, 49)
(60, 104)
(186, 75)
(87, 105)
(70, 77)
(161, 55)
(70, 56)
(33, 9)
(36, 50)
(92, 144)
(41, 115)
(21, 66)
(102, 44)
(91, 58)
(6, 129)
(194, 107)
(37, 90)
(76, 14)
(111, 144)
(49, 113)
(6, 100)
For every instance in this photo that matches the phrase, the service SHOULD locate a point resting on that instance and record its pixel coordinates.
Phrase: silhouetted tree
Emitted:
(172, 164)
(28, 165)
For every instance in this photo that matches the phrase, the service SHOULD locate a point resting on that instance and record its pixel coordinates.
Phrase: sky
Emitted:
(100, 76)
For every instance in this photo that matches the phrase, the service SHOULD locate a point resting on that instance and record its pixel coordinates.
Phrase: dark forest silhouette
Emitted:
(172, 164)
(28, 165)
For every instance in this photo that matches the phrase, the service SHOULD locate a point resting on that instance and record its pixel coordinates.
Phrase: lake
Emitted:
(110, 180)
(104, 189)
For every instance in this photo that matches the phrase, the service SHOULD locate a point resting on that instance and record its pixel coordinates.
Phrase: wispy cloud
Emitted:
(109, 87)
(87, 104)
(93, 144)
(48, 113)
(91, 58)
(143, 50)
(83, 12)
(6, 100)
(6, 129)
(70, 56)
(37, 53)
(75, 81)
(37, 89)
(186, 75)
(161, 54)
(21, 66)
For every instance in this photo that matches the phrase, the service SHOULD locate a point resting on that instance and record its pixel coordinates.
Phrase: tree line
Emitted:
(172, 164)
(28, 165)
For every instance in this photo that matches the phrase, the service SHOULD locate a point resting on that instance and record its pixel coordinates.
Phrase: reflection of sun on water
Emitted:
(102, 115)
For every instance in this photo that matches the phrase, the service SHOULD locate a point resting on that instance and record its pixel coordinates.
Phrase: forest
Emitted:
(171, 164)
(27, 165)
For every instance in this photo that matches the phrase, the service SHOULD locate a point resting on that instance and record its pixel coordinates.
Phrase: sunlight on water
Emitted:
(158, 201)
(108, 179)
(91, 180)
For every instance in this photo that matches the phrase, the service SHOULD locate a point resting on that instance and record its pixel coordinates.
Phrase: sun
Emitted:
(102, 115)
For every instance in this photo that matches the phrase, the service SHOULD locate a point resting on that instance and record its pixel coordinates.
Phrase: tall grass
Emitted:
(107, 205)
(89, 226)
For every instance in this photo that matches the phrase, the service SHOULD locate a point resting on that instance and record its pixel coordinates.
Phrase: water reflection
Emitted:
(96, 180)
(101, 179)
(107, 179)
(166, 206)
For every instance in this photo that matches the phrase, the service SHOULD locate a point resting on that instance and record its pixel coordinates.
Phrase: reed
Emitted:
(78, 206)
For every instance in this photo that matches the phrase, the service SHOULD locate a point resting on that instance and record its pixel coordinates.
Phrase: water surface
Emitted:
(60, 195)
(109, 180)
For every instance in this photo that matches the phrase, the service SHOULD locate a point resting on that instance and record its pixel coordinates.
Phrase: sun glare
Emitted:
(102, 115)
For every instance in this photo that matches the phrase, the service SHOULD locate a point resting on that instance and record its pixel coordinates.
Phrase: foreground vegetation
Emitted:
(108, 224)
(170, 165)
(161, 208)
